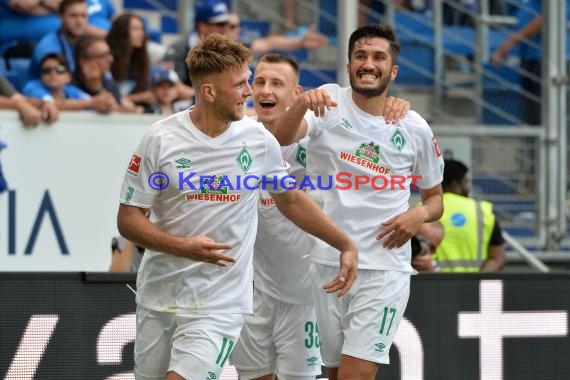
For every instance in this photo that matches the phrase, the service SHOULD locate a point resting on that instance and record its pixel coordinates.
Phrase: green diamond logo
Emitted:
(346, 124)
(370, 152)
(398, 140)
(211, 375)
(244, 160)
(301, 156)
(183, 163)
(129, 195)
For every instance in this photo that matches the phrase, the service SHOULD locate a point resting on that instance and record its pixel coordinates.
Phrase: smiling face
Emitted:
(231, 90)
(275, 86)
(371, 67)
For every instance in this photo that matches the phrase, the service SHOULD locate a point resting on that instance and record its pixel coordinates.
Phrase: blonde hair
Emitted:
(216, 54)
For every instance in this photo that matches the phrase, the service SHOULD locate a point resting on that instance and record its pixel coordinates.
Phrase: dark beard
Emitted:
(370, 92)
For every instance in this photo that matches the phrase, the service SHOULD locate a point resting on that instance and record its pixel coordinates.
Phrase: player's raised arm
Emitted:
(292, 126)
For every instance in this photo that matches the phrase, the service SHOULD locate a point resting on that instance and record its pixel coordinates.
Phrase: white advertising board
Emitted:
(64, 182)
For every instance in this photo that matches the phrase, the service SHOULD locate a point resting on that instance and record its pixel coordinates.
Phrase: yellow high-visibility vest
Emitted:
(468, 225)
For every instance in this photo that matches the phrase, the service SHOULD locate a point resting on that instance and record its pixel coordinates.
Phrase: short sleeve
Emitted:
(314, 123)
(136, 189)
(429, 160)
(275, 166)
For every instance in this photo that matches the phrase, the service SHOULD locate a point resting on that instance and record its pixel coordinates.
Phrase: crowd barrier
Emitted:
(488, 327)
(64, 183)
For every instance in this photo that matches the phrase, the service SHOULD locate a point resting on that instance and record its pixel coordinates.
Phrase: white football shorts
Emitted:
(196, 346)
(362, 323)
(279, 338)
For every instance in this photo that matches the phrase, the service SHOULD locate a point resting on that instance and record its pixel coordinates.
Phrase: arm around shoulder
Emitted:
(293, 126)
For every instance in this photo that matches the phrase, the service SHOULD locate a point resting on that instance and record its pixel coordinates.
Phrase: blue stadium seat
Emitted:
(416, 63)
(501, 89)
(314, 77)
(495, 183)
(171, 5)
(407, 22)
(252, 29)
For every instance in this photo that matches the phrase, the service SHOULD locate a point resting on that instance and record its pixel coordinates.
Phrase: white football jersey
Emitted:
(209, 191)
(348, 142)
(282, 250)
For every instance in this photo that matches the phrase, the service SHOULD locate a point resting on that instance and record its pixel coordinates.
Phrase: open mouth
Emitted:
(267, 104)
(368, 76)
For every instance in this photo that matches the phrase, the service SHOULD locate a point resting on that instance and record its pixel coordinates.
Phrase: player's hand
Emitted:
(395, 109)
(203, 248)
(347, 274)
(318, 101)
(402, 227)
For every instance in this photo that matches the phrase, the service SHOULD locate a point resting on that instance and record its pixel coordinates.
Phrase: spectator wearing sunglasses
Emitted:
(55, 84)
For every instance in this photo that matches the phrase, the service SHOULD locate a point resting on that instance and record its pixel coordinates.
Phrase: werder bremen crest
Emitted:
(398, 140)
(370, 152)
(301, 156)
(244, 160)
(212, 185)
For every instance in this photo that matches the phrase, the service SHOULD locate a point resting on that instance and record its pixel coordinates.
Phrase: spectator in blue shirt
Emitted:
(24, 22)
(73, 15)
(100, 16)
(55, 85)
(528, 37)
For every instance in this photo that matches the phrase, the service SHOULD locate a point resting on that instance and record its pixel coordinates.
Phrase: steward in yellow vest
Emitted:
(472, 240)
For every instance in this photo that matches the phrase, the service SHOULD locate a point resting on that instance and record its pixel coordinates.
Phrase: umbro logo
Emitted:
(380, 347)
